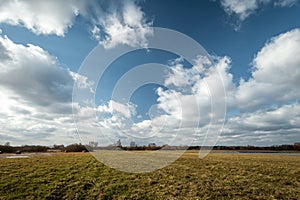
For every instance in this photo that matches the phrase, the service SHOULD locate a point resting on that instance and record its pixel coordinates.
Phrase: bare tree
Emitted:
(119, 144)
(133, 144)
(93, 144)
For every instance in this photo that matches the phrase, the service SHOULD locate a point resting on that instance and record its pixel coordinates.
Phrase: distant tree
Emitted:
(119, 144)
(31, 148)
(152, 146)
(7, 144)
(58, 147)
(93, 145)
(133, 144)
(6, 149)
(75, 148)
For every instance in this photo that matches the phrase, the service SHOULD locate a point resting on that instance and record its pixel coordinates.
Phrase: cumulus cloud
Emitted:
(262, 110)
(36, 95)
(127, 25)
(198, 84)
(32, 73)
(268, 102)
(242, 9)
(280, 125)
(127, 110)
(82, 81)
(41, 16)
(275, 76)
(180, 110)
(119, 23)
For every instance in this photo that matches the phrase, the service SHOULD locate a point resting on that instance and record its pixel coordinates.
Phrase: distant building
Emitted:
(297, 144)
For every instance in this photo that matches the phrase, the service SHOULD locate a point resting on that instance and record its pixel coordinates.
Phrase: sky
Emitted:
(58, 86)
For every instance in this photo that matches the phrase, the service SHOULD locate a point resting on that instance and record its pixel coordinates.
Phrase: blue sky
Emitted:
(253, 45)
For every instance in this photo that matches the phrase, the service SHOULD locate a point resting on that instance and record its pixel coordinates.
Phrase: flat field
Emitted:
(217, 176)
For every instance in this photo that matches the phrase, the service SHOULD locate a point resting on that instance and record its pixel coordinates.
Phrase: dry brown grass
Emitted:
(217, 176)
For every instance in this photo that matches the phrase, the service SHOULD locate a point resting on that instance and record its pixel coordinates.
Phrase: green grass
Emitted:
(218, 176)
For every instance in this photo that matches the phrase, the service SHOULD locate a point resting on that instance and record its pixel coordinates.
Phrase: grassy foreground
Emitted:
(218, 176)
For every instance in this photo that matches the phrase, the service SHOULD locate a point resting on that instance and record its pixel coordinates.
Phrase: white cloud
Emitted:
(285, 3)
(179, 112)
(267, 104)
(82, 81)
(119, 23)
(35, 96)
(279, 57)
(169, 102)
(31, 72)
(242, 8)
(96, 32)
(128, 26)
(127, 110)
(41, 16)
(176, 117)
(269, 101)
(36, 92)
(279, 125)
(276, 74)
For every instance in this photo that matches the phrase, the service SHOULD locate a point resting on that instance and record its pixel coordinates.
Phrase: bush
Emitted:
(6, 149)
(75, 148)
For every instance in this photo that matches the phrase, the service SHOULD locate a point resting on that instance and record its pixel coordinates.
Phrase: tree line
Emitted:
(284, 147)
(6, 148)
(38, 148)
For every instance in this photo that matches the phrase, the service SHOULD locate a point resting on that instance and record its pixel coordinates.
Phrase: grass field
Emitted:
(217, 176)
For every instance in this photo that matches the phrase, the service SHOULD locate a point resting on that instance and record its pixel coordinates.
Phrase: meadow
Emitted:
(217, 176)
